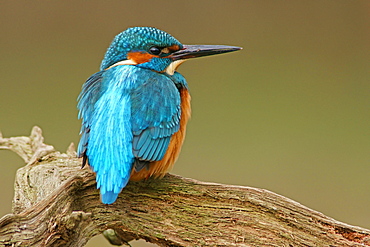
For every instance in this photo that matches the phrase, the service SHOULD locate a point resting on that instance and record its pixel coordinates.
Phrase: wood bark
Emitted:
(56, 203)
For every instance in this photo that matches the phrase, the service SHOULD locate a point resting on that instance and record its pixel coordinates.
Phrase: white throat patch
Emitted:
(173, 66)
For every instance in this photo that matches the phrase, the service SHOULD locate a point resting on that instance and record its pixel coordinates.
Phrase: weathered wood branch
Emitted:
(56, 204)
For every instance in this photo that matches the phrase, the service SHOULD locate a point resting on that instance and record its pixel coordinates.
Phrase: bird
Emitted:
(134, 111)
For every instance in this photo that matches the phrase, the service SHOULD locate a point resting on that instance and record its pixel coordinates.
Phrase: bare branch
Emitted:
(56, 204)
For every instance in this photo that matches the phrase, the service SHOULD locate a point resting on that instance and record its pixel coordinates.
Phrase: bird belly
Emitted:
(161, 167)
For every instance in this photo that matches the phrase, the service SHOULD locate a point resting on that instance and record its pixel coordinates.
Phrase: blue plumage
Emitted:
(131, 109)
(134, 114)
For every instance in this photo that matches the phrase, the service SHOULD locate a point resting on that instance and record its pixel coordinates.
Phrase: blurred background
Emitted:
(289, 113)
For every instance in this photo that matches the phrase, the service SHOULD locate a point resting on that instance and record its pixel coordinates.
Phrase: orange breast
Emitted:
(161, 167)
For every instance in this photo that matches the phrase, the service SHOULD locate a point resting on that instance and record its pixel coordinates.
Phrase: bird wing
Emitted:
(155, 118)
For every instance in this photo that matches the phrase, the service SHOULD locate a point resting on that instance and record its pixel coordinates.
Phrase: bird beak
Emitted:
(192, 51)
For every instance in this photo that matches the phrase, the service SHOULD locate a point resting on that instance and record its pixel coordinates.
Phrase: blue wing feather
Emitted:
(163, 144)
(155, 116)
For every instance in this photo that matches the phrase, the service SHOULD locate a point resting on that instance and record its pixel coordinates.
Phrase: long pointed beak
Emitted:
(192, 51)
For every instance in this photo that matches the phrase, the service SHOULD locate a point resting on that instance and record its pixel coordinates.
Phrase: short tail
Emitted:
(109, 197)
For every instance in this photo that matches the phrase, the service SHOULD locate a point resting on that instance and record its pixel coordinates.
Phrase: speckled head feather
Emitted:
(137, 39)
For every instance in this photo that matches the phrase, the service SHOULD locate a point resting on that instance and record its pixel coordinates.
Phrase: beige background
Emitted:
(289, 113)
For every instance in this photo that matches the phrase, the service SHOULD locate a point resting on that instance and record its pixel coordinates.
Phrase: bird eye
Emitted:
(155, 50)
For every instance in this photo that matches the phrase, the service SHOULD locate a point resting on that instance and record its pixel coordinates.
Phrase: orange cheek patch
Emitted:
(170, 49)
(173, 48)
(140, 57)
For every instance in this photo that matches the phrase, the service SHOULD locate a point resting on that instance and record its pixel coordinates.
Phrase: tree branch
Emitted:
(56, 203)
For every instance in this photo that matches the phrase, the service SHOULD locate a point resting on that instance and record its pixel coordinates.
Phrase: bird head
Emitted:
(153, 49)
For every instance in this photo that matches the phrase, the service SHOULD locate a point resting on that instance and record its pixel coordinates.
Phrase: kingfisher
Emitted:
(134, 111)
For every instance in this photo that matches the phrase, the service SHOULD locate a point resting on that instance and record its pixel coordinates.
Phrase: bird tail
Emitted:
(109, 197)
